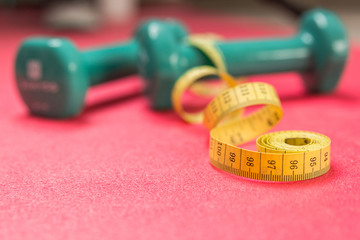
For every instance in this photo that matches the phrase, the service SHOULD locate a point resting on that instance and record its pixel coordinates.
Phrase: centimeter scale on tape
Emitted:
(280, 156)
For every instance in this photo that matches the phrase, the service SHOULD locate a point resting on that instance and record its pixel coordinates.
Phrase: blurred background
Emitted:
(92, 15)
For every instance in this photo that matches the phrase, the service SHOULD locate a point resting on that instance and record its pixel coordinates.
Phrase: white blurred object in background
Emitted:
(118, 11)
(72, 15)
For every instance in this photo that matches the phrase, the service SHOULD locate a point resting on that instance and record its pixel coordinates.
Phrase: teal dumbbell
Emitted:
(318, 52)
(53, 77)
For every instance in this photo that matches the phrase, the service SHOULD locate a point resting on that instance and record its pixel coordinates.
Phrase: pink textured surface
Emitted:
(123, 171)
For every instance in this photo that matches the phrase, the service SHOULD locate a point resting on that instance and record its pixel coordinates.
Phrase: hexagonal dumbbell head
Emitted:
(160, 59)
(50, 77)
(327, 38)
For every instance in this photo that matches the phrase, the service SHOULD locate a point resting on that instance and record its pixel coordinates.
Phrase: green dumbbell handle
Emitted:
(272, 55)
(255, 57)
(110, 63)
(265, 56)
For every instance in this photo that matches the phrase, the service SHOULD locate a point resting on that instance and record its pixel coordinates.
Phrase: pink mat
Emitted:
(123, 171)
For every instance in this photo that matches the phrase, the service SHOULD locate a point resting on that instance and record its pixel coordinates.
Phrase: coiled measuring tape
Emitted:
(280, 156)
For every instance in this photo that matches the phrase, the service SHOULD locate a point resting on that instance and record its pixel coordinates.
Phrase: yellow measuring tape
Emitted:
(280, 156)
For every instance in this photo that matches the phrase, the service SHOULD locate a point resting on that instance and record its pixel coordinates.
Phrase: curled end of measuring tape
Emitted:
(206, 44)
(186, 81)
